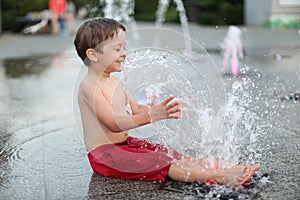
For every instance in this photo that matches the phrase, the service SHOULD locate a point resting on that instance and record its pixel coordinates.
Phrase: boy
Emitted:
(108, 112)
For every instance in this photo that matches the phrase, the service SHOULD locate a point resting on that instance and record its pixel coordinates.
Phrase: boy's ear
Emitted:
(92, 55)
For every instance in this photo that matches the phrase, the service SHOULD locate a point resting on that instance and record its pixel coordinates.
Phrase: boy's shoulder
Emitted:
(86, 85)
(90, 84)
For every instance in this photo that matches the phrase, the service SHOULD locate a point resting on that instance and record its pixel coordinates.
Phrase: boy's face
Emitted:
(113, 53)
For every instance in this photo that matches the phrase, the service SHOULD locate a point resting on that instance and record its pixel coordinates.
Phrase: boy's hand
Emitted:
(165, 109)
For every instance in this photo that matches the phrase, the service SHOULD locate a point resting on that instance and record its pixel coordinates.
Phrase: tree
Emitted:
(11, 9)
(218, 12)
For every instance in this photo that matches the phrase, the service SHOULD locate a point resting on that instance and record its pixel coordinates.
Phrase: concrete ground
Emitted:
(41, 152)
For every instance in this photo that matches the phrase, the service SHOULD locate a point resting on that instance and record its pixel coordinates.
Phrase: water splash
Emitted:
(153, 71)
(226, 136)
(160, 18)
(120, 10)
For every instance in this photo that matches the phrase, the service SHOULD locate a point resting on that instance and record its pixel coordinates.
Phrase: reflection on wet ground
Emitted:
(37, 132)
(42, 155)
(34, 65)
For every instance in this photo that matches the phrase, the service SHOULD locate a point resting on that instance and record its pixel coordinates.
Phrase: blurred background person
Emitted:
(70, 16)
(58, 9)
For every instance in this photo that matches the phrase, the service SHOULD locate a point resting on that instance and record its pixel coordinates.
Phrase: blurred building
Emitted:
(272, 13)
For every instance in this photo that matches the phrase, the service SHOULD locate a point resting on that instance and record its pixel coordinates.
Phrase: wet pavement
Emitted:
(41, 152)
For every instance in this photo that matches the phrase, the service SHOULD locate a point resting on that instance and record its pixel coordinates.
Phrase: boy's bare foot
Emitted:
(237, 175)
(253, 169)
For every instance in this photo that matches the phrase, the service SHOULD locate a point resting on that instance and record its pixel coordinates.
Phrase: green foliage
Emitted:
(209, 11)
(145, 10)
(85, 3)
(216, 12)
(24, 6)
(172, 14)
(282, 23)
(11, 9)
(95, 9)
(8, 17)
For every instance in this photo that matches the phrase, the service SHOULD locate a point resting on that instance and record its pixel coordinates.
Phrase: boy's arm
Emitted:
(137, 108)
(116, 123)
(141, 116)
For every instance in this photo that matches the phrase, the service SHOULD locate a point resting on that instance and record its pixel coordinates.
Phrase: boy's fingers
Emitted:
(165, 102)
(176, 103)
(175, 115)
(175, 109)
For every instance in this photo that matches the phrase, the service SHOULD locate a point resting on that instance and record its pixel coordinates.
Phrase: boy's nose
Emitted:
(124, 54)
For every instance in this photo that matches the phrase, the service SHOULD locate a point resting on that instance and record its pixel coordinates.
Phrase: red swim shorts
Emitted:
(133, 159)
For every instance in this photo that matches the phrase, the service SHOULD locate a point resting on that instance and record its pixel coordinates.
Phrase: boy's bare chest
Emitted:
(114, 94)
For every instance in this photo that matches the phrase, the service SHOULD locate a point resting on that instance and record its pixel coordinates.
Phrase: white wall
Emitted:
(291, 7)
(257, 11)
(289, 2)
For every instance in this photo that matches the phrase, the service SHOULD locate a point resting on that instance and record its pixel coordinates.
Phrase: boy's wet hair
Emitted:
(93, 32)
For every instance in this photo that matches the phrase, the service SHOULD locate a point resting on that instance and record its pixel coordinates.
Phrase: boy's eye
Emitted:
(119, 49)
